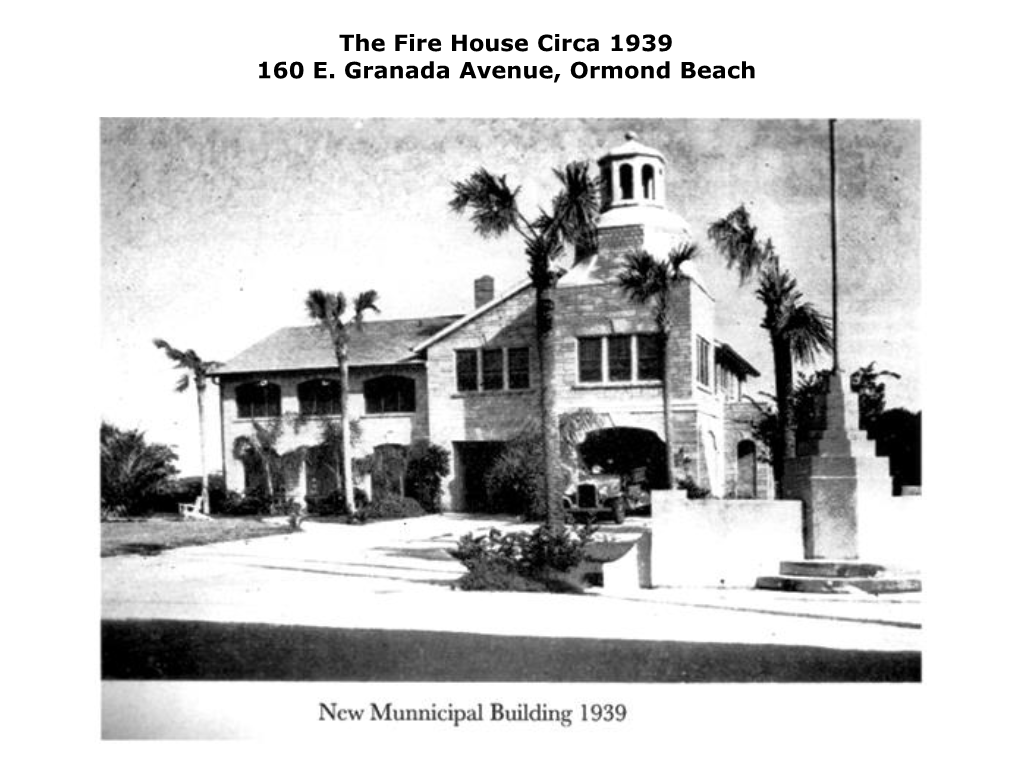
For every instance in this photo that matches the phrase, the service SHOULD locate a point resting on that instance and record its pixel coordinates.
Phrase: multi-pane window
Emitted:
(518, 373)
(704, 362)
(467, 370)
(319, 397)
(390, 394)
(649, 357)
(261, 399)
(589, 359)
(493, 369)
(619, 358)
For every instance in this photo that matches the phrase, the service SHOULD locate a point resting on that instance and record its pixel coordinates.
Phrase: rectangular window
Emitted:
(619, 358)
(467, 370)
(649, 357)
(589, 359)
(492, 369)
(704, 362)
(518, 368)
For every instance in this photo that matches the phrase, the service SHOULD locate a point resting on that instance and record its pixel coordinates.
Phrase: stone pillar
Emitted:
(835, 474)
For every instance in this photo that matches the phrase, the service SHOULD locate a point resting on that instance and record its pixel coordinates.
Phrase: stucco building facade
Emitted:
(469, 383)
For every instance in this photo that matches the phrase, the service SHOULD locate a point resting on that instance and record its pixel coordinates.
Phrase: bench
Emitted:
(192, 511)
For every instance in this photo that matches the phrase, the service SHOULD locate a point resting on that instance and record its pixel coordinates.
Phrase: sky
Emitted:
(214, 230)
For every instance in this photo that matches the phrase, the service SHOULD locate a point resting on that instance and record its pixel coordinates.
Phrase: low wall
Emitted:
(721, 541)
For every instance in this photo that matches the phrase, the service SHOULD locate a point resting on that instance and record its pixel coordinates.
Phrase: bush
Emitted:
(514, 482)
(521, 561)
(427, 465)
(132, 471)
(333, 503)
(694, 491)
(391, 507)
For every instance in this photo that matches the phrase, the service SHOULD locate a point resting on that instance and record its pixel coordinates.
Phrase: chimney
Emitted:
(485, 290)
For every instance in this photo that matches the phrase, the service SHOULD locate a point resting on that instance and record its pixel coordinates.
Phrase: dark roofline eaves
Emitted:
(744, 365)
(411, 362)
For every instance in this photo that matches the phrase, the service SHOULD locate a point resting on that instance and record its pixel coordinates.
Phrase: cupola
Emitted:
(633, 175)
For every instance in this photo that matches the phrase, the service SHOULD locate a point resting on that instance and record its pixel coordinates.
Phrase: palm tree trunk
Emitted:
(786, 441)
(667, 408)
(345, 436)
(200, 391)
(545, 306)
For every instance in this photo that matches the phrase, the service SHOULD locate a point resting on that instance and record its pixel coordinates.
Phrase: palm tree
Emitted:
(329, 308)
(199, 369)
(259, 451)
(647, 280)
(571, 221)
(797, 330)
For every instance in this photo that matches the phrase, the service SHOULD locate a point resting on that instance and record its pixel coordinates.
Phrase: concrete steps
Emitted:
(839, 577)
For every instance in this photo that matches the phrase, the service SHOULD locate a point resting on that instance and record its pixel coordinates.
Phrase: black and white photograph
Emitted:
(516, 400)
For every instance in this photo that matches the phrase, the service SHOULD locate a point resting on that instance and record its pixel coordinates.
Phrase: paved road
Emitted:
(394, 576)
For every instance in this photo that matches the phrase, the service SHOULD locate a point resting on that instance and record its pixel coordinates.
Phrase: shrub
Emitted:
(694, 491)
(333, 503)
(132, 471)
(391, 507)
(427, 465)
(514, 481)
(521, 561)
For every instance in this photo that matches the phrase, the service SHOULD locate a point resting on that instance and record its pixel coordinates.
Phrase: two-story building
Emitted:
(469, 383)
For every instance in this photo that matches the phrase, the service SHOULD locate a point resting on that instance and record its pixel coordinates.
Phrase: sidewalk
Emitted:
(395, 576)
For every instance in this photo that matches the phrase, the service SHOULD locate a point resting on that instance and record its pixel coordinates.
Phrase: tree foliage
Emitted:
(131, 470)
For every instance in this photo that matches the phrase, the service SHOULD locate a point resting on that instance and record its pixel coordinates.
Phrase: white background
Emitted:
(951, 68)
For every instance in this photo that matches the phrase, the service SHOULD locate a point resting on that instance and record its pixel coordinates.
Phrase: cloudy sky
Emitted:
(213, 231)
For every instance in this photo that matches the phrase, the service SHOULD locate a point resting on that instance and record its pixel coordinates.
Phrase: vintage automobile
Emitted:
(593, 496)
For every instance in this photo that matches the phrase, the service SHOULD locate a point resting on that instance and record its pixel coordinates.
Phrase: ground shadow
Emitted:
(194, 650)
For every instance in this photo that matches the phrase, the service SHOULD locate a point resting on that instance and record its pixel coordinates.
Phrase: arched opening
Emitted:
(389, 394)
(626, 182)
(257, 399)
(634, 455)
(607, 186)
(319, 397)
(648, 181)
(747, 470)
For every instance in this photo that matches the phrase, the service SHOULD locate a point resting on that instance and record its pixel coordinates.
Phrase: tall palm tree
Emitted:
(571, 221)
(199, 369)
(797, 330)
(648, 280)
(329, 309)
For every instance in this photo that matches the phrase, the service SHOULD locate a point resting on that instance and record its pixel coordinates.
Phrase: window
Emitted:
(467, 370)
(589, 359)
(492, 369)
(619, 358)
(704, 362)
(518, 361)
(611, 358)
(648, 181)
(649, 357)
(484, 369)
(261, 399)
(626, 182)
(319, 397)
(389, 395)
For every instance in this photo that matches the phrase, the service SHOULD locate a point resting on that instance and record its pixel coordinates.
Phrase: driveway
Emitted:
(396, 575)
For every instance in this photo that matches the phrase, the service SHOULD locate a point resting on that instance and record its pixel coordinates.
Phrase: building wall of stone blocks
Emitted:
(400, 428)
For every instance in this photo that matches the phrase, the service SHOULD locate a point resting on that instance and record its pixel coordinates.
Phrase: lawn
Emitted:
(151, 536)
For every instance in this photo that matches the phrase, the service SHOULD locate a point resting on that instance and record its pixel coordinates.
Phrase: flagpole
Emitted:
(832, 220)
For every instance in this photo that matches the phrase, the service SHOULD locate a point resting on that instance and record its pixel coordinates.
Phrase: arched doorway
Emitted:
(747, 470)
(633, 454)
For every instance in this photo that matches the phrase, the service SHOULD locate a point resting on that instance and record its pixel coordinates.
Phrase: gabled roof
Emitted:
(309, 347)
(460, 321)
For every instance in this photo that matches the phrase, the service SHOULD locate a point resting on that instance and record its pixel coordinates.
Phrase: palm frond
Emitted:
(490, 201)
(576, 206)
(808, 331)
(365, 301)
(678, 256)
(737, 240)
(182, 383)
(643, 277)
